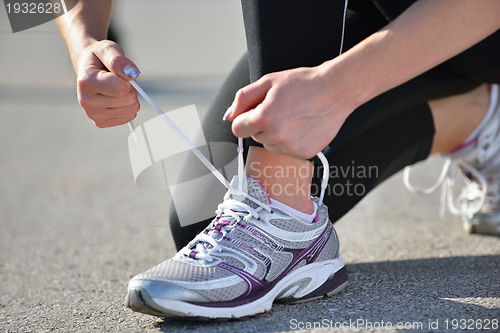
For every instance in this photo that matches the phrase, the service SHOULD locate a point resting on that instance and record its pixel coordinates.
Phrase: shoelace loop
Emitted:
(446, 181)
(230, 209)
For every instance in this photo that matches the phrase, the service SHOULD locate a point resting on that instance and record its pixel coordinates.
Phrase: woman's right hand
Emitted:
(102, 85)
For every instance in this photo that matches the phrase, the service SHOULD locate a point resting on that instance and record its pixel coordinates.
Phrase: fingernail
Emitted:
(131, 71)
(228, 113)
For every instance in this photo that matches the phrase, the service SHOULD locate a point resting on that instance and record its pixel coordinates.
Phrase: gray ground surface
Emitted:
(74, 227)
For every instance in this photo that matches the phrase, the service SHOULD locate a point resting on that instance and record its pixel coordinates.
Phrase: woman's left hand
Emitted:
(295, 112)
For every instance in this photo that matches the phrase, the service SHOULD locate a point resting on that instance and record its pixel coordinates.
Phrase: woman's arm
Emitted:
(102, 87)
(84, 25)
(425, 35)
(298, 112)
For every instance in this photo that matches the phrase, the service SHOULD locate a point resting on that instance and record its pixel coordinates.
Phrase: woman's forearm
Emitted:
(425, 35)
(103, 70)
(86, 23)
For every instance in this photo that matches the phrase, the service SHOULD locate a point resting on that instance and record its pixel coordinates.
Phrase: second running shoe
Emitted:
(477, 162)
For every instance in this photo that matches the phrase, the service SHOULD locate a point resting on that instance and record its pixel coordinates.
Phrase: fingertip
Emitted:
(112, 57)
(131, 72)
(238, 126)
(234, 111)
(228, 113)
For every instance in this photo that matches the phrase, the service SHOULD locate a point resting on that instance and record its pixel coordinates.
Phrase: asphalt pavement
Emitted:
(74, 227)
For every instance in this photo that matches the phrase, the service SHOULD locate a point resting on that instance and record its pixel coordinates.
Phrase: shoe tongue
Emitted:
(250, 186)
(253, 188)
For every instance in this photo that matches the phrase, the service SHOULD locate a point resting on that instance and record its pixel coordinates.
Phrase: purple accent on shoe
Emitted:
(258, 288)
(230, 240)
(221, 224)
(315, 218)
(192, 254)
(462, 146)
(267, 195)
(254, 284)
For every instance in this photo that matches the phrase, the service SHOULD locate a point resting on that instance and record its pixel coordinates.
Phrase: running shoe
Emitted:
(477, 162)
(250, 255)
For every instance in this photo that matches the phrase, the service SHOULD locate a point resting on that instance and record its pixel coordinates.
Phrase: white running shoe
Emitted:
(252, 254)
(477, 161)
(248, 257)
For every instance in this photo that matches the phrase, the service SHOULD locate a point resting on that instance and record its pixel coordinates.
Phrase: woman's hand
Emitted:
(102, 86)
(103, 89)
(296, 112)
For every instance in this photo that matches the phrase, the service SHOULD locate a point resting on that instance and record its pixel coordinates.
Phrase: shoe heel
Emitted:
(333, 285)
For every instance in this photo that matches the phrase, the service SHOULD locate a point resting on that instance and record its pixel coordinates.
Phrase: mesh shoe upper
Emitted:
(245, 250)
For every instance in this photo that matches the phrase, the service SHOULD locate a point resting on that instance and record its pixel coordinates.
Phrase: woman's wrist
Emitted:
(346, 91)
(78, 49)
(86, 24)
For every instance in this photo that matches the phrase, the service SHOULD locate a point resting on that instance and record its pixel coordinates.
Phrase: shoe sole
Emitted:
(326, 278)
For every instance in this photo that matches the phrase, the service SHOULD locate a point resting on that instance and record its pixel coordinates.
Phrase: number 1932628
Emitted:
(472, 324)
(33, 8)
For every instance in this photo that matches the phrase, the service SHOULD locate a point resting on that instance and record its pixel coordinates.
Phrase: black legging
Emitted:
(382, 136)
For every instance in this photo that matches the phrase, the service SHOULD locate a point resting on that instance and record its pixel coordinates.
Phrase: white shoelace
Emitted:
(446, 181)
(230, 208)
